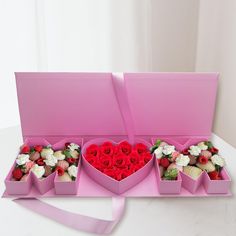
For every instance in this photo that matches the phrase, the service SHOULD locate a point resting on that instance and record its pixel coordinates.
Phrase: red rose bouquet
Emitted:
(118, 161)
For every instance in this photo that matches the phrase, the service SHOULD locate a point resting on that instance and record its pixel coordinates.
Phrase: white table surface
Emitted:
(143, 216)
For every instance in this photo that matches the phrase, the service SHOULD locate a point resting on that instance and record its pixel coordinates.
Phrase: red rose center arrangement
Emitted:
(118, 161)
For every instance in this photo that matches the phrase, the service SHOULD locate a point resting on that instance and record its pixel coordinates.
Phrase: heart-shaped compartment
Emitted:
(109, 183)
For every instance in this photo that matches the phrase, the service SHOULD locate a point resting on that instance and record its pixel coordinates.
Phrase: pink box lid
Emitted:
(62, 104)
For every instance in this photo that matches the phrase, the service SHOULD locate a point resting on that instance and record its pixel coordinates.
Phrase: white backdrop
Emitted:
(91, 35)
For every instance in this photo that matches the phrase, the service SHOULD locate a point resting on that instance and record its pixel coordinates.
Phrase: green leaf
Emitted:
(66, 152)
(209, 144)
(158, 142)
(171, 174)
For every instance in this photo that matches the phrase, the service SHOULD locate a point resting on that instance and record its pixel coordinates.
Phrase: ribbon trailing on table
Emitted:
(75, 220)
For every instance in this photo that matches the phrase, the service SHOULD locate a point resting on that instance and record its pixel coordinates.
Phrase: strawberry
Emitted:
(214, 175)
(17, 173)
(38, 148)
(40, 162)
(60, 170)
(213, 150)
(164, 162)
(25, 149)
(202, 160)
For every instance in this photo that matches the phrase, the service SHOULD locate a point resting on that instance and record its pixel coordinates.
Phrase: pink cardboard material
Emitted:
(109, 183)
(48, 183)
(217, 186)
(96, 95)
(167, 186)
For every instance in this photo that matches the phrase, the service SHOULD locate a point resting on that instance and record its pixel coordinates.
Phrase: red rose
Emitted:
(134, 157)
(25, 149)
(118, 174)
(125, 173)
(120, 160)
(134, 168)
(105, 161)
(17, 173)
(164, 162)
(214, 150)
(60, 170)
(93, 149)
(125, 147)
(107, 148)
(214, 175)
(38, 148)
(71, 160)
(140, 148)
(40, 162)
(185, 152)
(98, 166)
(110, 172)
(91, 158)
(147, 156)
(202, 160)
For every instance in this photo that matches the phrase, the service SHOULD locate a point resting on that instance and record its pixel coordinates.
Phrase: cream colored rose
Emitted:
(38, 170)
(59, 155)
(22, 159)
(218, 160)
(168, 149)
(46, 152)
(158, 152)
(194, 150)
(202, 146)
(50, 160)
(182, 160)
(72, 171)
(73, 146)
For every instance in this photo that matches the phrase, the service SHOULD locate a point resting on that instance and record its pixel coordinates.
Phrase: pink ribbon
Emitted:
(74, 220)
(122, 100)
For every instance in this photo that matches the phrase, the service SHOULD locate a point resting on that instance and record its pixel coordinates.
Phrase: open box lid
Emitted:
(69, 104)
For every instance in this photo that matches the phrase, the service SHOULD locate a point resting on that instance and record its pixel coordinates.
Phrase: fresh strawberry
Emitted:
(17, 173)
(60, 170)
(164, 162)
(214, 175)
(25, 149)
(213, 150)
(38, 148)
(202, 160)
(40, 162)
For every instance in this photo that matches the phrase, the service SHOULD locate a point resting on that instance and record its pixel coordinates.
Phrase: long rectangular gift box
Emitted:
(113, 110)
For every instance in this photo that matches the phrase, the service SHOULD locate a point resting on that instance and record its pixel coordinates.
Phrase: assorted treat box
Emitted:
(118, 130)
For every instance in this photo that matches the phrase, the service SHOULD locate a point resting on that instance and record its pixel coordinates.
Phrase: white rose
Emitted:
(202, 146)
(158, 152)
(218, 160)
(46, 152)
(168, 149)
(59, 155)
(73, 170)
(194, 150)
(73, 146)
(182, 160)
(51, 160)
(38, 170)
(22, 159)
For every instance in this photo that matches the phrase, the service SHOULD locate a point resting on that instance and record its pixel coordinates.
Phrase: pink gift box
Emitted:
(217, 186)
(109, 183)
(167, 186)
(67, 188)
(117, 107)
(48, 183)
